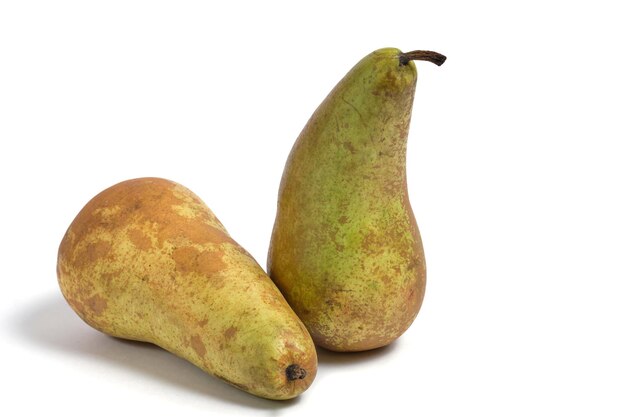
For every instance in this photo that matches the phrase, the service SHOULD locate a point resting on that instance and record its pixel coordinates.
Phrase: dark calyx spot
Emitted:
(294, 372)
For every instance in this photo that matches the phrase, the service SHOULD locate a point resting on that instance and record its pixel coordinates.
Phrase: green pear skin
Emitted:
(147, 260)
(345, 250)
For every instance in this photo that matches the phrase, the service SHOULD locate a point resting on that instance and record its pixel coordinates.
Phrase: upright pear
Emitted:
(345, 250)
(147, 260)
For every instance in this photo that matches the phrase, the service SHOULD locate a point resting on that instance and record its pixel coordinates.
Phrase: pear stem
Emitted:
(430, 56)
(294, 372)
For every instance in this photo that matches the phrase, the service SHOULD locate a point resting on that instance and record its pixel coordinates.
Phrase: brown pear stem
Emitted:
(294, 372)
(430, 56)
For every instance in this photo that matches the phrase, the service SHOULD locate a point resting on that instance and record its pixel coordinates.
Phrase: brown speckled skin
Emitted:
(147, 260)
(346, 251)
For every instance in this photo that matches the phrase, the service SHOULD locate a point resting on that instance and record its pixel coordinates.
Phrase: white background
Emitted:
(516, 174)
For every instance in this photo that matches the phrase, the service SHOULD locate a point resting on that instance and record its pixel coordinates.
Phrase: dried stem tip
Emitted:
(430, 56)
(294, 372)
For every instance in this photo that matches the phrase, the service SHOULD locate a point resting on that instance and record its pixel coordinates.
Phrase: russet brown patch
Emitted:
(96, 251)
(189, 259)
(230, 332)
(139, 239)
(96, 304)
(197, 345)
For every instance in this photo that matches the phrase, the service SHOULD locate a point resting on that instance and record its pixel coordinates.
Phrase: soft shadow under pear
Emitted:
(49, 323)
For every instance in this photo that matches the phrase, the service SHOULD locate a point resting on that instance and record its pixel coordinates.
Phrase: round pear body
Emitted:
(147, 260)
(345, 251)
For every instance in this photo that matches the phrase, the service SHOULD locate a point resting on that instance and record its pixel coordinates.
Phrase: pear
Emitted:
(147, 260)
(345, 250)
